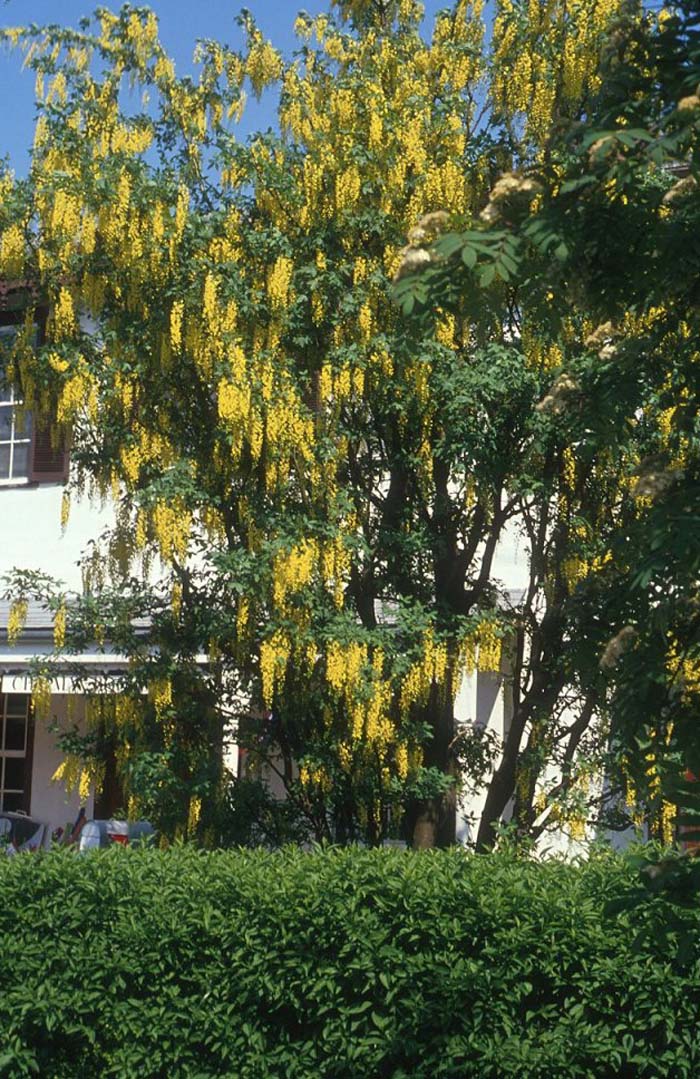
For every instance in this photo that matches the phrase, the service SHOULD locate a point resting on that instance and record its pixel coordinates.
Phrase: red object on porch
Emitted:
(118, 832)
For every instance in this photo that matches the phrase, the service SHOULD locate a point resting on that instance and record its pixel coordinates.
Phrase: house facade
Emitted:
(33, 472)
(29, 747)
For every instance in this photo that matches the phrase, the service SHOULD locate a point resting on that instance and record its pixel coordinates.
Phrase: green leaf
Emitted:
(487, 274)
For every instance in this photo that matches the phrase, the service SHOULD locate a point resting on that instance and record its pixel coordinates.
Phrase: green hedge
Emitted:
(349, 964)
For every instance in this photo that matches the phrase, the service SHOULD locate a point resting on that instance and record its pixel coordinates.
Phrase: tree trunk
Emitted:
(540, 698)
(434, 820)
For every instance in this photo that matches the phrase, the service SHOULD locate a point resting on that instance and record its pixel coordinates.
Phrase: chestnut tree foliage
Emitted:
(620, 210)
(311, 484)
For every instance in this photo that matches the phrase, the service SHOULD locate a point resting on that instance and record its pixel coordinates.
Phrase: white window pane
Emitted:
(5, 423)
(4, 462)
(20, 462)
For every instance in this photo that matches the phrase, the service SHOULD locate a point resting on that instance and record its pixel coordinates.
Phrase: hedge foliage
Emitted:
(346, 964)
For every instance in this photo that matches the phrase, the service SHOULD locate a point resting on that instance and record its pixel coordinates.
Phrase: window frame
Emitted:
(26, 755)
(15, 438)
(46, 462)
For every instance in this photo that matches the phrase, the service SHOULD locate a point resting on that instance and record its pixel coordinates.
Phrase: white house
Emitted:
(32, 474)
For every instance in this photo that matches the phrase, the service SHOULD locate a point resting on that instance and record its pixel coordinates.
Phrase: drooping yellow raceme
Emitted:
(683, 668)
(16, 620)
(264, 64)
(274, 655)
(59, 627)
(293, 570)
(481, 649)
(489, 645)
(13, 246)
(545, 58)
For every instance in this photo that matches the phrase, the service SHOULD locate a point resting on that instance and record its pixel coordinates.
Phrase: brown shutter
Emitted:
(49, 463)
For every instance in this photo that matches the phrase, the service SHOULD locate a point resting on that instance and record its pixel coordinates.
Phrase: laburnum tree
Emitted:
(310, 487)
(619, 208)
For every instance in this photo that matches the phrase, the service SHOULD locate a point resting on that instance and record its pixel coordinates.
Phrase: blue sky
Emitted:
(181, 23)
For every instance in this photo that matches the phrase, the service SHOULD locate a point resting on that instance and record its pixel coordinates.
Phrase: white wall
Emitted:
(50, 802)
(31, 534)
(510, 563)
(32, 539)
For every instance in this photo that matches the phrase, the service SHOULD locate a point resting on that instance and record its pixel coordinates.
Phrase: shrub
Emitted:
(340, 964)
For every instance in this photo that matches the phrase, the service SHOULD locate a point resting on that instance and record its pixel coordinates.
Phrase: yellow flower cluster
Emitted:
(314, 776)
(429, 670)
(193, 815)
(41, 696)
(131, 140)
(63, 318)
(176, 316)
(489, 646)
(12, 252)
(147, 446)
(668, 816)
(344, 666)
(75, 776)
(161, 693)
(263, 65)
(481, 650)
(127, 711)
(172, 525)
(347, 188)
(337, 386)
(683, 668)
(65, 509)
(142, 33)
(345, 756)
(568, 469)
(293, 569)
(574, 570)
(234, 404)
(335, 562)
(538, 354)
(16, 620)
(79, 395)
(278, 283)
(445, 330)
(274, 654)
(59, 627)
(546, 58)
(444, 189)
(242, 619)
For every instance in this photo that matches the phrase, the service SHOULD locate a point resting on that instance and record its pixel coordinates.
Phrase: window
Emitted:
(15, 752)
(26, 454)
(15, 439)
(15, 428)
